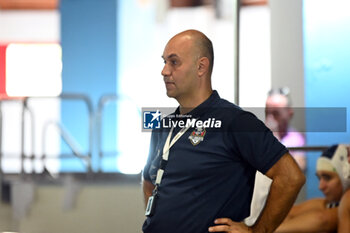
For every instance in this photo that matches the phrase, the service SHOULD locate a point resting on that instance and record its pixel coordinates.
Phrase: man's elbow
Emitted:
(292, 180)
(296, 179)
(294, 176)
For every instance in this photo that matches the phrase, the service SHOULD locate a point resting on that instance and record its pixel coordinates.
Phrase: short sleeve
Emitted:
(255, 143)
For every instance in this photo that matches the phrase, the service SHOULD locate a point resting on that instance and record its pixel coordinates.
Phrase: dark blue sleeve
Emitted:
(255, 143)
(151, 155)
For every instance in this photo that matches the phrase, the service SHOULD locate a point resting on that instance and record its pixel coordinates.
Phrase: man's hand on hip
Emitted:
(229, 226)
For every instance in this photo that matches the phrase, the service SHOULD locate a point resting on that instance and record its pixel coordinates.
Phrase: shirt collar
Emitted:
(203, 107)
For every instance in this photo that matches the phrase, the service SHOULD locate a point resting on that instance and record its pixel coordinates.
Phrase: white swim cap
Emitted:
(335, 159)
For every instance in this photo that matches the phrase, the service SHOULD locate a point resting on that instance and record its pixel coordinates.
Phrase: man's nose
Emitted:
(165, 71)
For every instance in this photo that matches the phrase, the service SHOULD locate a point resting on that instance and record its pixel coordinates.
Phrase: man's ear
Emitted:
(203, 66)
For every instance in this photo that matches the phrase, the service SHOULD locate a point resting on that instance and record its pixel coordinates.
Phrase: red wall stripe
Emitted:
(3, 48)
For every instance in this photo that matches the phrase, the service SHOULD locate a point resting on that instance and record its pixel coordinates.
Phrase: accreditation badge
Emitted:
(151, 205)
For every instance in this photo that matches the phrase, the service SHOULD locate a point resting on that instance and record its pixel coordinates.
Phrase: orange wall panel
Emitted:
(29, 4)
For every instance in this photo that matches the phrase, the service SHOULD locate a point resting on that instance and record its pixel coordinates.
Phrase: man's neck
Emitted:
(188, 104)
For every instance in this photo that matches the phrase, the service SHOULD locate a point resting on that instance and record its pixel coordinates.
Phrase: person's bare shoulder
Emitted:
(346, 199)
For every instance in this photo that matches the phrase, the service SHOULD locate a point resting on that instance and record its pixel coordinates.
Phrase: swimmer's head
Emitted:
(335, 159)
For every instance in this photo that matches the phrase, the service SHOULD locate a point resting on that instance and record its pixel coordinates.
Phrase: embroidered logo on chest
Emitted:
(197, 136)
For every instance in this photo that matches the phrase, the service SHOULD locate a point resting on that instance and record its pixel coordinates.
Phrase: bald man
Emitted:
(199, 175)
(279, 114)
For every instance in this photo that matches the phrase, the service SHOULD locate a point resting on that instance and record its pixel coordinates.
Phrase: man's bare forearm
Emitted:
(287, 182)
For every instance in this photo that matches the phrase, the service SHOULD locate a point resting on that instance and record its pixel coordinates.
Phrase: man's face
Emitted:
(179, 69)
(278, 112)
(330, 184)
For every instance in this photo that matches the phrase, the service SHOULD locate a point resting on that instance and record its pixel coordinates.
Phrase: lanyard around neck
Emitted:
(166, 149)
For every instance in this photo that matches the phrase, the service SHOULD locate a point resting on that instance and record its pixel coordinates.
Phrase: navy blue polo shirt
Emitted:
(210, 173)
